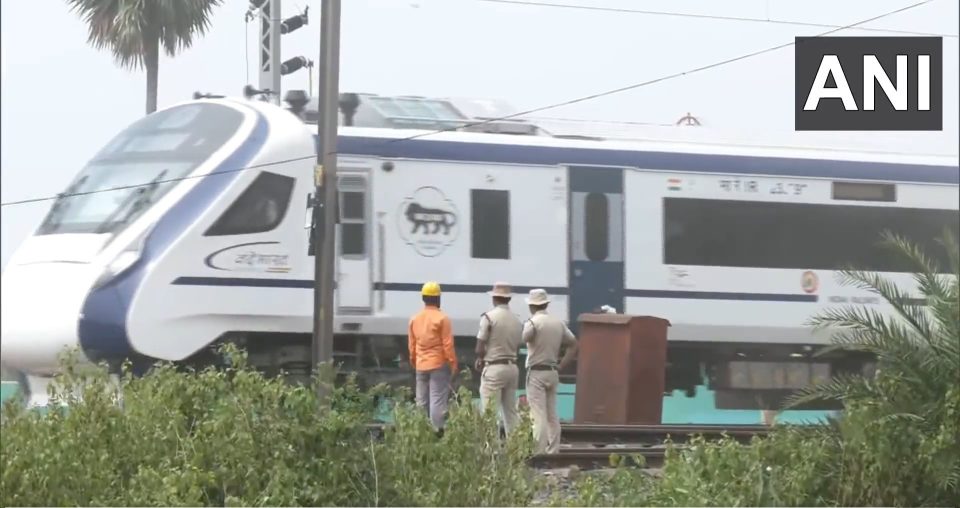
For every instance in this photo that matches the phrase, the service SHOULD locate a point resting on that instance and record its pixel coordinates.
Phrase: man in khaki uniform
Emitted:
(497, 344)
(544, 335)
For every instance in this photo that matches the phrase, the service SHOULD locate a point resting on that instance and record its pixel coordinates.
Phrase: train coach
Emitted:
(193, 227)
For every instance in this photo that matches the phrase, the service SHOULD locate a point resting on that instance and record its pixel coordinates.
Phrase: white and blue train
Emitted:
(207, 238)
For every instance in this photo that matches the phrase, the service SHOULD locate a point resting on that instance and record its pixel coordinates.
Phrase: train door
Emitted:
(596, 271)
(354, 262)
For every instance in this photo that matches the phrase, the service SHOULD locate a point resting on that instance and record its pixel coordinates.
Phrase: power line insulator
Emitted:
(293, 65)
(293, 23)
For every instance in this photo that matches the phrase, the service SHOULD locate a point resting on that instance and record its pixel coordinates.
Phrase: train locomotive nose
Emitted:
(39, 315)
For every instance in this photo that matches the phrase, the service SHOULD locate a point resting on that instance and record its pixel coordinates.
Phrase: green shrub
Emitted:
(234, 437)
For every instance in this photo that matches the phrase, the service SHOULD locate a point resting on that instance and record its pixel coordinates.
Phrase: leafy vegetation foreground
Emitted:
(235, 438)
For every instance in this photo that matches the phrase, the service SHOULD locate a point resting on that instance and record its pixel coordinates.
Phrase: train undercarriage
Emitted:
(741, 376)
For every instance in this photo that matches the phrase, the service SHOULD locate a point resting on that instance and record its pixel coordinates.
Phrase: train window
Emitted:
(490, 234)
(259, 209)
(855, 191)
(597, 226)
(709, 232)
(353, 239)
(163, 147)
(351, 205)
(353, 227)
(352, 214)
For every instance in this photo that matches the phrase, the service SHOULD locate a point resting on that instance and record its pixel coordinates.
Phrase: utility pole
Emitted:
(325, 178)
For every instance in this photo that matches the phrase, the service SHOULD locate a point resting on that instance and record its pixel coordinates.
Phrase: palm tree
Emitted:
(915, 389)
(134, 30)
(918, 344)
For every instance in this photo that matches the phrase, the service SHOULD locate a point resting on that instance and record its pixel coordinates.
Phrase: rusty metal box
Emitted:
(621, 369)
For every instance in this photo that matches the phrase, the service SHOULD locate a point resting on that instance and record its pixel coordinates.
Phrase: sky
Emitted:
(62, 99)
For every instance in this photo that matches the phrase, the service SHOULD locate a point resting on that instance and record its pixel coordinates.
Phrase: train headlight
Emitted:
(122, 262)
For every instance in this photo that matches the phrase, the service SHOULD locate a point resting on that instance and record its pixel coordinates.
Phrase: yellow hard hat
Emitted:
(430, 289)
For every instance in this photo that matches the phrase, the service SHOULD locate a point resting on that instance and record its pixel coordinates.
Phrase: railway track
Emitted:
(596, 434)
(594, 458)
(590, 446)
(654, 434)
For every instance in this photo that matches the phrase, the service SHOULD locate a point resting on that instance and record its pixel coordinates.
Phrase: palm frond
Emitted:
(899, 416)
(952, 480)
(951, 245)
(948, 345)
(920, 349)
(866, 330)
(916, 315)
(841, 387)
(128, 27)
(932, 281)
(928, 274)
(181, 21)
(915, 345)
(946, 313)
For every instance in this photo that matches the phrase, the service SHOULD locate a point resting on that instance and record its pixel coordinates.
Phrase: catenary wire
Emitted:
(660, 79)
(625, 10)
(483, 122)
(168, 180)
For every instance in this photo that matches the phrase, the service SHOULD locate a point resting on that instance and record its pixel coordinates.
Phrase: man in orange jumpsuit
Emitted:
(430, 343)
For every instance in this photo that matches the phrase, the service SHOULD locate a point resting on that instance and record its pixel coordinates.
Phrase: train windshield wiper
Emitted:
(135, 202)
(59, 205)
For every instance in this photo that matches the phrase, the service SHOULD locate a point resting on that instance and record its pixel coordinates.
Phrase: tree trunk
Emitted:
(151, 60)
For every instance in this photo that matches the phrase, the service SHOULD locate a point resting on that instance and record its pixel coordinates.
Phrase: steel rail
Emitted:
(611, 434)
(598, 434)
(593, 458)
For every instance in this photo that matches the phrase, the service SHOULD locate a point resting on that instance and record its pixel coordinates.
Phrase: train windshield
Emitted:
(139, 166)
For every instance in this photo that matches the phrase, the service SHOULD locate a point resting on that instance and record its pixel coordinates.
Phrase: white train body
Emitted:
(735, 246)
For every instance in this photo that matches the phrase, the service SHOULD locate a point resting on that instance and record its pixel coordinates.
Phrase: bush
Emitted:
(233, 437)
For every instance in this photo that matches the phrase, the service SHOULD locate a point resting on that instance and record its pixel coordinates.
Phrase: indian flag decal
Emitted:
(674, 184)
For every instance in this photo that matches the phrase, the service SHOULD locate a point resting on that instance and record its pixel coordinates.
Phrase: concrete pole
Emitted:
(326, 183)
(276, 58)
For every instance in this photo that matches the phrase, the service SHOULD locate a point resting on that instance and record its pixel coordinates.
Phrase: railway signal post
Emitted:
(326, 183)
(272, 27)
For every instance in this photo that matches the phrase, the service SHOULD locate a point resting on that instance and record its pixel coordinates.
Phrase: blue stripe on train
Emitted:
(659, 161)
(476, 288)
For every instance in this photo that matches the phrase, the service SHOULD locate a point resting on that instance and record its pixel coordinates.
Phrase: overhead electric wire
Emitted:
(490, 120)
(625, 10)
(168, 180)
(662, 78)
